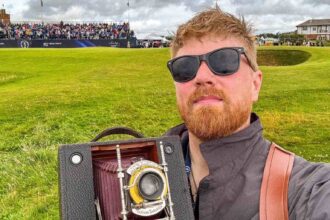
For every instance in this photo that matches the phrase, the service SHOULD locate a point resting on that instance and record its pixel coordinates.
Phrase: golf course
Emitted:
(50, 97)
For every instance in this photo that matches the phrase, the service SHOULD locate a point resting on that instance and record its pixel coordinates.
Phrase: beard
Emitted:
(215, 121)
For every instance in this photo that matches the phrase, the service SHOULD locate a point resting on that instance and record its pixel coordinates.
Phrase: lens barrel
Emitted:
(151, 186)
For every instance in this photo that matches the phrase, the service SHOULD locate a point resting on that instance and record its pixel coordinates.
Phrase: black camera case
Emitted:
(77, 183)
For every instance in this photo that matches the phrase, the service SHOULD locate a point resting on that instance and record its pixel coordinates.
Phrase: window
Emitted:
(314, 28)
(304, 28)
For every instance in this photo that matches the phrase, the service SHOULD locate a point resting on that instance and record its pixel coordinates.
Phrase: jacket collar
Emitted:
(231, 151)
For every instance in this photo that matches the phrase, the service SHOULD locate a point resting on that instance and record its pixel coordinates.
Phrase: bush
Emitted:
(327, 43)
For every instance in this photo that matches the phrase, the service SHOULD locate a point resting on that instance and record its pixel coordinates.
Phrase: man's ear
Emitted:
(256, 84)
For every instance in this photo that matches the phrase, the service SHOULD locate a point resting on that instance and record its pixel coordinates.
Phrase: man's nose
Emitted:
(204, 75)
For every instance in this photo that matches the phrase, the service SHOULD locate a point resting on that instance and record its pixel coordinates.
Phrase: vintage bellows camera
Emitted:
(141, 178)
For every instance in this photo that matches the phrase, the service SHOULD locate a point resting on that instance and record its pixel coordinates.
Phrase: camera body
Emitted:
(142, 178)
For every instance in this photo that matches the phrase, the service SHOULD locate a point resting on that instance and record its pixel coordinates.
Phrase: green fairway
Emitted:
(50, 97)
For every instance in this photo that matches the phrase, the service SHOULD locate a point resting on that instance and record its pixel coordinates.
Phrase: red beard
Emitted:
(214, 121)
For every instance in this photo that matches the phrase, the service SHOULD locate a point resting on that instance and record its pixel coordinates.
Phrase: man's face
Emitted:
(216, 106)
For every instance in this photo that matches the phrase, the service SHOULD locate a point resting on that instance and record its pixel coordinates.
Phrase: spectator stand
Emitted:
(88, 34)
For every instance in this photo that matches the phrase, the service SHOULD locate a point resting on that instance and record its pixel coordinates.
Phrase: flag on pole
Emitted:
(41, 3)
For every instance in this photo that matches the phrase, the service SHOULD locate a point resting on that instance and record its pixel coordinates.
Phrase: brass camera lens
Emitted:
(147, 182)
(151, 186)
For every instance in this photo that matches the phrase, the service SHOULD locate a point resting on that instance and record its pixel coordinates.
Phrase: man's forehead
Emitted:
(205, 44)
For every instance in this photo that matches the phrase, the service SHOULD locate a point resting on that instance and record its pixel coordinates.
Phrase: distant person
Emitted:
(217, 80)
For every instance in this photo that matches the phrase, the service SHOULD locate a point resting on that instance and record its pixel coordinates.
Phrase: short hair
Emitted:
(219, 24)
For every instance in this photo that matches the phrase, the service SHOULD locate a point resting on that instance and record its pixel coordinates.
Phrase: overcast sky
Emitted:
(163, 16)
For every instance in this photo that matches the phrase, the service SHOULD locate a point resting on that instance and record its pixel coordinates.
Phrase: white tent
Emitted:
(153, 37)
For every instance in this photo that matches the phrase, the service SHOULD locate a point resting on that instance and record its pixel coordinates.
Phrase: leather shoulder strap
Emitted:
(275, 182)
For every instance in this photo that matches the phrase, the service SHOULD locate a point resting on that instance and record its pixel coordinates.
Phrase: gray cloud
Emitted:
(105, 9)
(317, 2)
(145, 16)
(162, 16)
(88, 8)
(280, 16)
(315, 8)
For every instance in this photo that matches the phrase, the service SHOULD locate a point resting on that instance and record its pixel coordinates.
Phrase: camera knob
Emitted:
(168, 149)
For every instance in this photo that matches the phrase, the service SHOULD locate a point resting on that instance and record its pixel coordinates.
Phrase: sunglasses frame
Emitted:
(205, 57)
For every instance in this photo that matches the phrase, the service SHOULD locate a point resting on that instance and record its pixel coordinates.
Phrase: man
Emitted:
(217, 80)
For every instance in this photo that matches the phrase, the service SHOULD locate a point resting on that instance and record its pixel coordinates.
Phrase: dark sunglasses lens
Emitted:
(224, 61)
(184, 68)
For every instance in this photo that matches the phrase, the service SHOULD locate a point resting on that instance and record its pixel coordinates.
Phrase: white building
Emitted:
(315, 29)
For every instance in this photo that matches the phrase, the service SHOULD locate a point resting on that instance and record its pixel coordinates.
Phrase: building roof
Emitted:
(313, 22)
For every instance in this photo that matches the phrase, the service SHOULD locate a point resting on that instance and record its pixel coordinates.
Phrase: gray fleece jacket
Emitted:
(232, 189)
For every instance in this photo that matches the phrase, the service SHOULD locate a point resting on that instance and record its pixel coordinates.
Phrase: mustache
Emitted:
(203, 91)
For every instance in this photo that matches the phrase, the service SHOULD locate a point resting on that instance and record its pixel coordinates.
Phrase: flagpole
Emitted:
(127, 37)
(127, 11)
(42, 11)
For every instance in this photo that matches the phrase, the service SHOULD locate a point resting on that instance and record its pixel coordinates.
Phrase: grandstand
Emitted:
(65, 34)
(66, 31)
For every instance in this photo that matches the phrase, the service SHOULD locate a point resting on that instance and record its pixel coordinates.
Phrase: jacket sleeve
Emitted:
(309, 191)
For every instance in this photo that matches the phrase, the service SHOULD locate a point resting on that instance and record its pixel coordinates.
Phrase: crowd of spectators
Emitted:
(66, 31)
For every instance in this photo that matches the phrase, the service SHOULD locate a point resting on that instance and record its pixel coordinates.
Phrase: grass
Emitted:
(50, 97)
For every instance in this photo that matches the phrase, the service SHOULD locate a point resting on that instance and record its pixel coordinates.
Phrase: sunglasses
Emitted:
(222, 62)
